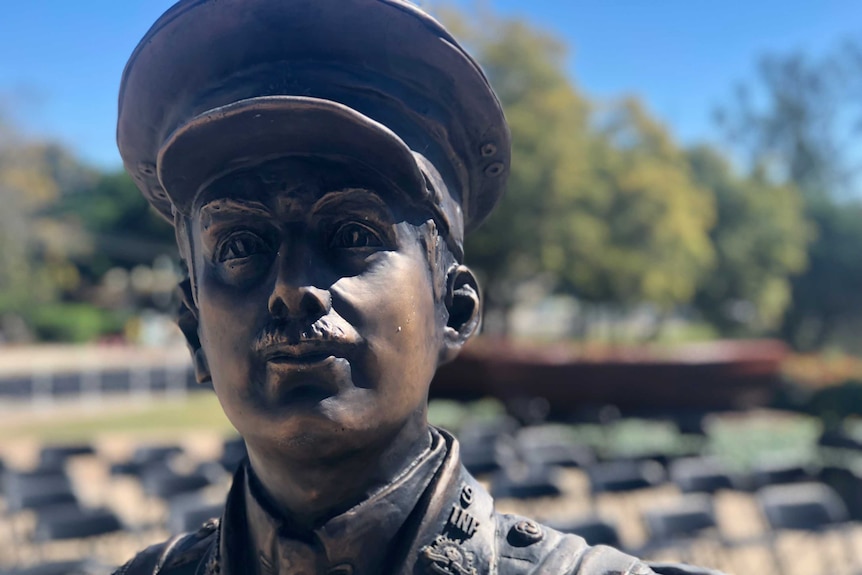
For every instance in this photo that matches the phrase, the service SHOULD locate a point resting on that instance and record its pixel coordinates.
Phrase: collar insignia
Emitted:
(447, 557)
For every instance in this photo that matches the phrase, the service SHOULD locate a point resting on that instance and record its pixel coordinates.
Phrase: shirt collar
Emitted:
(356, 542)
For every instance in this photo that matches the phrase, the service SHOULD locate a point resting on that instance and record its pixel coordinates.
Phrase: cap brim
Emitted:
(252, 131)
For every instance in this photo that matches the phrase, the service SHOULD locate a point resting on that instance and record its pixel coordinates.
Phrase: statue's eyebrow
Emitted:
(227, 209)
(354, 200)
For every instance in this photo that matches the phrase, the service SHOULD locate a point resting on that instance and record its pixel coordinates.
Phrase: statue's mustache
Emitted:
(322, 331)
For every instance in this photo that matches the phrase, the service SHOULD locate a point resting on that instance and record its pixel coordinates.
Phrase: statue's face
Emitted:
(317, 313)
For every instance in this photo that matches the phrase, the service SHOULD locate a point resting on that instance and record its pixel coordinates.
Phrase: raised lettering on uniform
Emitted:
(463, 521)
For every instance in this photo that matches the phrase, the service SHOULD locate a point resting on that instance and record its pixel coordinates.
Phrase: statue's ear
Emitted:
(464, 305)
(187, 319)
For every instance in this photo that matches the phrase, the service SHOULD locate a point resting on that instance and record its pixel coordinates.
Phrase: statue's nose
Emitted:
(293, 294)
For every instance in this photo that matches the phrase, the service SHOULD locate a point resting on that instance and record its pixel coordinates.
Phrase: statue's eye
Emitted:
(355, 235)
(242, 245)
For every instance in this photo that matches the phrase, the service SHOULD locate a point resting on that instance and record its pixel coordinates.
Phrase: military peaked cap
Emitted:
(216, 85)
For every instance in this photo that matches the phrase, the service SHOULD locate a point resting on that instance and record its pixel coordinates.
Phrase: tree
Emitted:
(548, 119)
(123, 229)
(649, 217)
(827, 300)
(25, 188)
(801, 119)
(760, 237)
(62, 226)
(598, 205)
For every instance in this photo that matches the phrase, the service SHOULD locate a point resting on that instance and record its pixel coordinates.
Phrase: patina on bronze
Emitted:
(321, 161)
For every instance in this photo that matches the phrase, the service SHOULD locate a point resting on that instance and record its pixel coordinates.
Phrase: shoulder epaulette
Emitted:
(174, 556)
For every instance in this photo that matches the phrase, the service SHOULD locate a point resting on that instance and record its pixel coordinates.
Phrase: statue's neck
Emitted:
(308, 493)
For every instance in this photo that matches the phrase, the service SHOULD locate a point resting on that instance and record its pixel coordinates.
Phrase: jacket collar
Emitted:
(456, 524)
(413, 509)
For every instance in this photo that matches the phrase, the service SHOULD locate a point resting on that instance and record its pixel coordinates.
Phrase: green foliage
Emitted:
(113, 203)
(74, 322)
(801, 120)
(62, 227)
(547, 117)
(125, 231)
(26, 187)
(827, 299)
(650, 218)
(833, 404)
(744, 441)
(601, 205)
(760, 237)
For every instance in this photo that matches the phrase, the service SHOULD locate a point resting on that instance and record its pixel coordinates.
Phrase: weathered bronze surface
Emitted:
(321, 161)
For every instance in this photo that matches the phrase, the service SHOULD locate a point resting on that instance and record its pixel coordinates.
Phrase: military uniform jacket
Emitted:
(454, 530)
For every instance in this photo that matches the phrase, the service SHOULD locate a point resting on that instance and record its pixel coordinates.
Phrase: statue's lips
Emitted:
(306, 372)
(306, 353)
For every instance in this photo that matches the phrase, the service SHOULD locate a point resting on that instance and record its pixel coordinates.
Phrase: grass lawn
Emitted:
(125, 415)
(740, 440)
(199, 411)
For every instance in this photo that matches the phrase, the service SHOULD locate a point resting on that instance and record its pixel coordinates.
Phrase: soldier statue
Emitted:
(322, 161)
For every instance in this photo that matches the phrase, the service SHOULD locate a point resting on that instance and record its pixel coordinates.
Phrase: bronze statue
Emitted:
(321, 161)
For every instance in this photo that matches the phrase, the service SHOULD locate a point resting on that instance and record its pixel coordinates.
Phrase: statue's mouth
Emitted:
(289, 342)
(307, 372)
(305, 353)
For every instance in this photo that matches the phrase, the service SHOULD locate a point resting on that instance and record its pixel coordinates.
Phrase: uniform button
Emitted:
(525, 533)
(342, 569)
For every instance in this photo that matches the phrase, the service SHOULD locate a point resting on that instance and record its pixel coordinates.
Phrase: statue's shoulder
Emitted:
(526, 547)
(181, 555)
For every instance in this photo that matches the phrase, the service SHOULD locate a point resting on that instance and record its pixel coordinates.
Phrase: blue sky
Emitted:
(61, 60)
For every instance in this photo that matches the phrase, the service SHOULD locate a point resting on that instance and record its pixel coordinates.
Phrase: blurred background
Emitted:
(671, 359)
